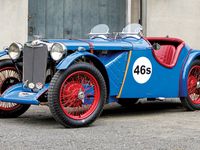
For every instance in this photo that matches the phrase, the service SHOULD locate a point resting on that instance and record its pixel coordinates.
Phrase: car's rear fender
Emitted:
(192, 55)
(69, 60)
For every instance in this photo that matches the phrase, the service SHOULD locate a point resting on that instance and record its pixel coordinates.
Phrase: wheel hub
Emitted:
(81, 95)
(198, 84)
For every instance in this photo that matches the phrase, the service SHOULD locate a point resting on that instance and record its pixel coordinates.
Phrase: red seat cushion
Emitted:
(165, 55)
(169, 52)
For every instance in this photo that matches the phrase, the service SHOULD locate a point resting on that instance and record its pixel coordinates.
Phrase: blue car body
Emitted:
(116, 64)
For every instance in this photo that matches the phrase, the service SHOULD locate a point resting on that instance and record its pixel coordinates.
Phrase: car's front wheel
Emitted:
(77, 95)
(192, 101)
(8, 77)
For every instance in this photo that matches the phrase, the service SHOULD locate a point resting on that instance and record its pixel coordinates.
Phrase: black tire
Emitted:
(10, 110)
(187, 102)
(59, 82)
(127, 102)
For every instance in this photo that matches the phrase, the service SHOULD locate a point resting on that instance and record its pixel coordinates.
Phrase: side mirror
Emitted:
(156, 46)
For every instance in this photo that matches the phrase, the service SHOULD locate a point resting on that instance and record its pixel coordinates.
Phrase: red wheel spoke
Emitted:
(192, 90)
(193, 79)
(76, 85)
(6, 74)
(87, 89)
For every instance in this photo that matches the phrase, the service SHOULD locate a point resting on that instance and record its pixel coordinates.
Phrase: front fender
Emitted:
(194, 54)
(67, 61)
(3, 53)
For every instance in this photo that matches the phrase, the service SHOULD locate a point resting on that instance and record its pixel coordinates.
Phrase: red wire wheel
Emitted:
(79, 95)
(194, 84)
(192, 100)
(8, 77)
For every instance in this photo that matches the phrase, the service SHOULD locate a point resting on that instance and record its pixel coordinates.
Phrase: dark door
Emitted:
(74, 18)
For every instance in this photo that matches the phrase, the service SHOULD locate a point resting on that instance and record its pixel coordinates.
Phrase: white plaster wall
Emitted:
(13, 21)
(177, 18)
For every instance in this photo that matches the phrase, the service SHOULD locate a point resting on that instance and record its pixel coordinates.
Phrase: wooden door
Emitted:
(74, 18)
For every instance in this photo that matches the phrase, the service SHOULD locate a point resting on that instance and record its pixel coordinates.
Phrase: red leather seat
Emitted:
(169, 52)
(165, 55)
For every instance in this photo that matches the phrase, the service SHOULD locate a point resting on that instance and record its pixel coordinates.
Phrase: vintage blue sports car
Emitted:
(76, 77)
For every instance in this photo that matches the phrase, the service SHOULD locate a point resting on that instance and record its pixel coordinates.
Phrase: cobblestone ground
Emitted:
(160, 125)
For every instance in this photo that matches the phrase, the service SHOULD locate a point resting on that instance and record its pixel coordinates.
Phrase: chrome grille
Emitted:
(35, 63)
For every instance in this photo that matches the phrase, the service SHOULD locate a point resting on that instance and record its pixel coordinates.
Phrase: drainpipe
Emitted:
(128, 11)
(143, 15)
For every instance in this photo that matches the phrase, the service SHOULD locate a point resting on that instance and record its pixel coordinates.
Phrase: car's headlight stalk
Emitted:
(57, 51)
(14, 50)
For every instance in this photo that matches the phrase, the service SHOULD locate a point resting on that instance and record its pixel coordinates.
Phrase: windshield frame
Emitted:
(99, 34)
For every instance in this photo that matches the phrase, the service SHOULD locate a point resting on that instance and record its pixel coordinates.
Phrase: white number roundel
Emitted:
(142, 70)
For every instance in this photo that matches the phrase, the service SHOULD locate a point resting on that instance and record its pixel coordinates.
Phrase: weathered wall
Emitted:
(13, 21)
(177, 18)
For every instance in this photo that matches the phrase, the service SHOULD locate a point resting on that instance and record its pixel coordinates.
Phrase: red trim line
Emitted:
(164, 39)
(90, 45)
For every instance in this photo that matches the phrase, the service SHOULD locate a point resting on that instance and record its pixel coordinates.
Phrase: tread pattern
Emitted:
(186, 102)
(53, 95)
(19, 110)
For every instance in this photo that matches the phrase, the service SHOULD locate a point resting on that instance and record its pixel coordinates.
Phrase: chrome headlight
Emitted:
(57, 51)
(15, 50)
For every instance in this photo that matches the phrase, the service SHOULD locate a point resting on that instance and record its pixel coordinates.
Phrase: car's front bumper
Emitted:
(19, 94)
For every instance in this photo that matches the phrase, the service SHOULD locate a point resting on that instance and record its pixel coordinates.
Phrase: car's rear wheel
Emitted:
(77, 95)
(8, 77)
(127, 102)
(192, 101)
